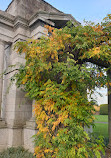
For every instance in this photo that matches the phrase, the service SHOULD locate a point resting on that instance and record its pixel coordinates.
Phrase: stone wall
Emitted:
(3, 135)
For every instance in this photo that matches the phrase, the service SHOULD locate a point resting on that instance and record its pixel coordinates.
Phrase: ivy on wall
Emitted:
(57, 77)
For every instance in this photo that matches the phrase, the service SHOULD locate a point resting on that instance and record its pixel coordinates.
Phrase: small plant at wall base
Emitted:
(18, 152)
(56, 77)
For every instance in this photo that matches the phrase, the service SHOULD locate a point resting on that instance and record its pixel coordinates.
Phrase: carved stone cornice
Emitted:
(6, 18)
(52, 18)
(13, 28)
(20, 21)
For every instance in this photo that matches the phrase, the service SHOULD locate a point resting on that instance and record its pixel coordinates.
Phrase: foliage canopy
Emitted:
(57, 77)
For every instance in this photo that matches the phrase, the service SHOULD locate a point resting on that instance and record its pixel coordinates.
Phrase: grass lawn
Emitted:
(101, 118)
(101, 129)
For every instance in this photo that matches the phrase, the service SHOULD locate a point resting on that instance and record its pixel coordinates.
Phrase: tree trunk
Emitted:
(109, 110)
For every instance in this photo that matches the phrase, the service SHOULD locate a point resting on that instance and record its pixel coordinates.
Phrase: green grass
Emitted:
(16, 153)
(101, 118)
(101, 129)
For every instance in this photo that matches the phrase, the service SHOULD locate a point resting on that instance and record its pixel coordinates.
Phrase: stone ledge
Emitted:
(2, 124)
(31, 124)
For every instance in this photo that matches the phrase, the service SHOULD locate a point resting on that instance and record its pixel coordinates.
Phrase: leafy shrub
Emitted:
(19, 152)
(104, 109)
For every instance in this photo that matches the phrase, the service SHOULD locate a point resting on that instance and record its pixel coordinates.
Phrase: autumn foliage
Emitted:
(57, 75)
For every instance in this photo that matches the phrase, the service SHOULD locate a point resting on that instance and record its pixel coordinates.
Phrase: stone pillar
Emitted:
(30, 129)
(5, 87)
(18, 108)
(31, 123)
(2, 50)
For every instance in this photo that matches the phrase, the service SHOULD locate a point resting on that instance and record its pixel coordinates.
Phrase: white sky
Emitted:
(104, 98)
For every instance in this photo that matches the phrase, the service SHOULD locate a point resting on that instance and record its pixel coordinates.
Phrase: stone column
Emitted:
(2, 50)
(30, 129)
(18, 108)
(5, 86)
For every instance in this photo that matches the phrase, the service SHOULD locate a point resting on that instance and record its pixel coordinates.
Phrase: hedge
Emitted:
(104, 109)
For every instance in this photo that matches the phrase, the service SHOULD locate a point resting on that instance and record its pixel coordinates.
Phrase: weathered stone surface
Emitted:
(28, 140)
(3, 137)
(26, 8)
(2, 49)
(15, 137)
(2, 124)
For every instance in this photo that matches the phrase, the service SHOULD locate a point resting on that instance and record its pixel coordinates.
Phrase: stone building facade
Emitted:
(23, 19)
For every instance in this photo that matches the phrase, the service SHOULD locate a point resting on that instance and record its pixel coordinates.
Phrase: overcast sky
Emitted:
(90, 10)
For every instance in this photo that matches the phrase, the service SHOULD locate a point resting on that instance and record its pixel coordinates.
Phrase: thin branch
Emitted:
(10, 71)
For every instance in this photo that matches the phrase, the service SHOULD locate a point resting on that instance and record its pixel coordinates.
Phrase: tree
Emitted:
(56, 76)
(93, 102)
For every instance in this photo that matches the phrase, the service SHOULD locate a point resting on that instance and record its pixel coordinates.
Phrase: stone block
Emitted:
(28, 140)
(15, 137)
(3, 137)
(31, 124)
(2, 124)
(39, 29)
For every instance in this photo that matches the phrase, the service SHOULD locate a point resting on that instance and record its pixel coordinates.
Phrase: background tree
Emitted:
(93, 102)
(56, 76)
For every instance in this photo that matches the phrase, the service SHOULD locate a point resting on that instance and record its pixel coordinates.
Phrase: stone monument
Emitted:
(23, 19)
